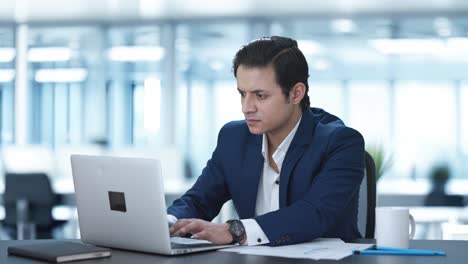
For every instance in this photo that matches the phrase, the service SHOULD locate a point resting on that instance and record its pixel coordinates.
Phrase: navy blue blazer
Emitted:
(319, 181)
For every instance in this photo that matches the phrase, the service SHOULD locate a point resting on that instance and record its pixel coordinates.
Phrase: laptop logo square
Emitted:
(117, 201)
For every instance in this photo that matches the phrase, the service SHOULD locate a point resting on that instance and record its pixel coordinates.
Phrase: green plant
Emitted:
(383, 161)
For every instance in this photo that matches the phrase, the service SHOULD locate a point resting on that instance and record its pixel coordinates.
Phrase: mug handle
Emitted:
(413, 226)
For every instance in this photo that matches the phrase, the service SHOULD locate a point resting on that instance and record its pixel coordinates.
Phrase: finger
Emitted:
(201, 235)
(193, 227)
(178, 225)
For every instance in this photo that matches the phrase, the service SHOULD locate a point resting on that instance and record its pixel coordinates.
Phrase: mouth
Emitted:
(252, 121)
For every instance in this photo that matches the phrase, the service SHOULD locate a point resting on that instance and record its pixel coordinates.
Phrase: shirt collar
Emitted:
(280, 152)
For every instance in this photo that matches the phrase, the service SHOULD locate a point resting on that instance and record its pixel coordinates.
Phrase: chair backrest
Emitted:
(35, 188)
(367, 199)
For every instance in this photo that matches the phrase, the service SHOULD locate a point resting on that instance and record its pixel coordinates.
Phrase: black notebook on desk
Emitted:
(59, 251)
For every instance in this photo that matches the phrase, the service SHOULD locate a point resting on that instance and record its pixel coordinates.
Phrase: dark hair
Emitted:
(283, 54)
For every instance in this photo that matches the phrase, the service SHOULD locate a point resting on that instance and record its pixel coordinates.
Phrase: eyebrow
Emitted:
(254, 91)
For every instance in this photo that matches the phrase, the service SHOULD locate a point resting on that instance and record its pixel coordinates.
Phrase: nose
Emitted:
(248, 104)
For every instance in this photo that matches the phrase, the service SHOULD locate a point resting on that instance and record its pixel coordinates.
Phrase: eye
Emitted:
(260, 96)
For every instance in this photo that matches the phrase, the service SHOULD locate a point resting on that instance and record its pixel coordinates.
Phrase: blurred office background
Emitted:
(153, 78)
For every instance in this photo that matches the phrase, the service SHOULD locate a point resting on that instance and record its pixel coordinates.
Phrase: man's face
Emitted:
(265, 107)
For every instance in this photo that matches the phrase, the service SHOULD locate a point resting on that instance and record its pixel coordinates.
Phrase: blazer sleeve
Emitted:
(326, 200)
(206, 197)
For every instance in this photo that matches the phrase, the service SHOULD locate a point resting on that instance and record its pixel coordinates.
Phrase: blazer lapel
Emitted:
(253, 165)
(301, 140)
(293, 156)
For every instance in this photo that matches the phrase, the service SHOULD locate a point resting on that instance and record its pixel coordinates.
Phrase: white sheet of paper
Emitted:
(323, 248)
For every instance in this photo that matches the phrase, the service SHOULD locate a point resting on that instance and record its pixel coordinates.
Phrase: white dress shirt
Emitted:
(268, 190)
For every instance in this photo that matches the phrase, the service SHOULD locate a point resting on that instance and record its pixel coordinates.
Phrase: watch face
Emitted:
(237, 229)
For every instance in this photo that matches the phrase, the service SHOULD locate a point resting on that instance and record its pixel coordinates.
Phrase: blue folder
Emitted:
(399, 251)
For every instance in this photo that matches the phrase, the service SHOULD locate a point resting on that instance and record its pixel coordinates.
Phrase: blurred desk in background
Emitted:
(432, 218)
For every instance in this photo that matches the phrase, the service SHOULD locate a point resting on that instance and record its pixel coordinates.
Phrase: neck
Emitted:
(276, 137)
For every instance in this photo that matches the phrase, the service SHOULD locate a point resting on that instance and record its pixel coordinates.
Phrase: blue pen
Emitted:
(398, 251)
(441, 253)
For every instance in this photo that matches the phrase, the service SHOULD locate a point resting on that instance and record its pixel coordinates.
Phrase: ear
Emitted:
(297, 93)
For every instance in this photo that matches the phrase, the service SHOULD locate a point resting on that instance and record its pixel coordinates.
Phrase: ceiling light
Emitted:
(136, 53)
(152, 8)
(309, 47)
(7, 54)
(7, 75)
(61, 75)
(408, 46)
(49, 54)
(343, 25)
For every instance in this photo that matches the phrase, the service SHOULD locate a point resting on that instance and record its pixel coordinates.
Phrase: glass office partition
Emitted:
(393, 79)
(227, 103)
(463, 118)
(328, 96)
(7, 78)
(149, 85)
(425, 127)
(369, 111)
(206, 93)
(61, 61)
(136, 86)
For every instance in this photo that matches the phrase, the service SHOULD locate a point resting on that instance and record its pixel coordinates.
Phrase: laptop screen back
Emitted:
(120, 202)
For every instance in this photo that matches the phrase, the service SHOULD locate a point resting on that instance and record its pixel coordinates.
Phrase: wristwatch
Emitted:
(237, 230)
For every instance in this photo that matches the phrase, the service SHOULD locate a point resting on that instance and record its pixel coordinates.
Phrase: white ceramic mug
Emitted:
(392, 227)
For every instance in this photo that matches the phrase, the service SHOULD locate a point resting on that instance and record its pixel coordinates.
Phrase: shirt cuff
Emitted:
(171, 220)
(254, 233)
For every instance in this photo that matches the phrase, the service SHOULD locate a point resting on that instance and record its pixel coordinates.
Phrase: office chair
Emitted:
(36, 195)
(367, 199)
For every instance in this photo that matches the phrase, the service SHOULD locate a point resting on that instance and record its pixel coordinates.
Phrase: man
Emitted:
(293, 172)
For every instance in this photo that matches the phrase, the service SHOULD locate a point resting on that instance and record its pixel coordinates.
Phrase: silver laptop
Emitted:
(121, 204)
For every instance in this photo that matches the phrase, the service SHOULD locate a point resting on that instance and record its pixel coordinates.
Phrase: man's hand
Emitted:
(217, 233)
